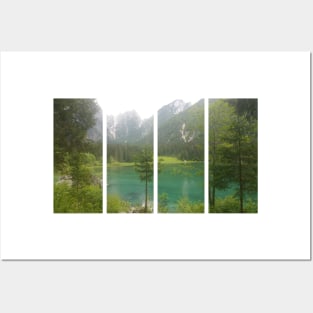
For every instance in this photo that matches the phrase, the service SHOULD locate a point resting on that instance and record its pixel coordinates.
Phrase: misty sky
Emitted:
(145, 106)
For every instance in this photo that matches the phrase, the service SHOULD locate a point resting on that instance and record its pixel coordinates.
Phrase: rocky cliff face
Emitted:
(170, 110)
(181, 130)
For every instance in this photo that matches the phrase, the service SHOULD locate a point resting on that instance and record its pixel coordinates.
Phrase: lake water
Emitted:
(124, 181)
(232, 190)
(182, 181)
(177, 181)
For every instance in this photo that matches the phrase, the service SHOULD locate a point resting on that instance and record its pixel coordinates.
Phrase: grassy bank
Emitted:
(162, 159)
(123, 164)
(174, 160)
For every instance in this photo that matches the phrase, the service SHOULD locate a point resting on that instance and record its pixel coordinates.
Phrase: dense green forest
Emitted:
(77, 156)
(181, 138)
(233, 155)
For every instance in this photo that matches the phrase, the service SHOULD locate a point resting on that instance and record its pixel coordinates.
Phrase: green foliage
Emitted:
(122, 152)
(63, 198)
(163, 203)
(245, 106)
(80, 173)
(91, 198)
(144, 167)
(231, 204)
(220, 117)
(88, 199)
(251, 206)
(65, 165)
(110, 159)
(170, 160)
(186, 206)
(72, 119)
(116, 205)
(232, 148)
(160, 164)
(95, 148)
(77, 157)
(228, 204)
(88, 158)
(119, 164)
(190, 124)
(144, 164)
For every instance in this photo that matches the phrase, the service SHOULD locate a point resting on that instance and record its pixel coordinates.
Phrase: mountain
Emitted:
(129, 128)
(127, 133)
(170, 110)
(181, 134)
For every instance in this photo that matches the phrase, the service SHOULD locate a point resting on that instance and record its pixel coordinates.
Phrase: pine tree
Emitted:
(242, 154)
(144, 166)
(220, 117)
(233, 148)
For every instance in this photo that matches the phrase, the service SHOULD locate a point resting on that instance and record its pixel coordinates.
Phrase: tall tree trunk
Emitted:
(210, 198)
(146, 198)
(214, 172)
(240, 178)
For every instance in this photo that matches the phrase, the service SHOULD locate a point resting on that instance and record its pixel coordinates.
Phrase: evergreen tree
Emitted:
(144, 166)
(241, 154)
(72, 119)
(233, 148)
(220, 117)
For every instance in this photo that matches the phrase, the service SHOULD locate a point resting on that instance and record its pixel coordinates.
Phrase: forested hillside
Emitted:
(182, 134)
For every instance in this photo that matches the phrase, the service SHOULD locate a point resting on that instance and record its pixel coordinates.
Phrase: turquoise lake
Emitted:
(124, 181)
(177, 181)
(232, 190)
(182, 181)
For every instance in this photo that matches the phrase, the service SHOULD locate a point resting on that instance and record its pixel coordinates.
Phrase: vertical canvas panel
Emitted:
(129, 161)
(181, 157)
(77, 156)
(233, 155)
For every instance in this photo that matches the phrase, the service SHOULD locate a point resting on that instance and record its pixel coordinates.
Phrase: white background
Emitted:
(170, 286)
(30, 81)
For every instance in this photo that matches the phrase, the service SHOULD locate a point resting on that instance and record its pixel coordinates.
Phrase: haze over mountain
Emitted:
(129, 128)
(180, 132)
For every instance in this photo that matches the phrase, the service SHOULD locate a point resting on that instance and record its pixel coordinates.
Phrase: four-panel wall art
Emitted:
(129, 164)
